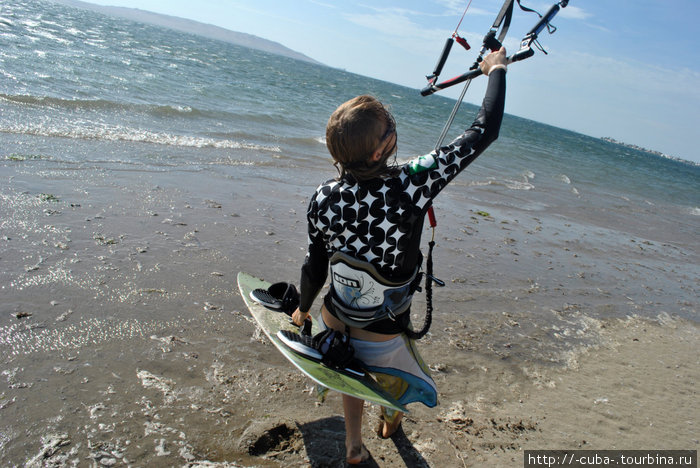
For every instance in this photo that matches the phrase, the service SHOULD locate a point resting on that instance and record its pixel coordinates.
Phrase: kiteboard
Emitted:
(271, 321)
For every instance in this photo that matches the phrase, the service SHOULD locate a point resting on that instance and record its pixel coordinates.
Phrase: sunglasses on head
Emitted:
(390, 126)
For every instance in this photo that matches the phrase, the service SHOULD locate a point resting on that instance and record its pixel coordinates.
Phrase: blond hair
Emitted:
(354, 132)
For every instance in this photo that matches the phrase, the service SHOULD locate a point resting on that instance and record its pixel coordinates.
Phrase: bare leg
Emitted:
(389, 423)
(353, 408)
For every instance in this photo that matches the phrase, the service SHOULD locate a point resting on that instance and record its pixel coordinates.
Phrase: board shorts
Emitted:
(398, 368)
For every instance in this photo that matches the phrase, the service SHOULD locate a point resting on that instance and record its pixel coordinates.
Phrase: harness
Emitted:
(361, 295)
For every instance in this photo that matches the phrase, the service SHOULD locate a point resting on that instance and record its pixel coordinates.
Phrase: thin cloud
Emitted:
(395, 22)
(453, 6)
(323, 4)
(391, 23)
(399, 31)
(573, 12)
(456, 7)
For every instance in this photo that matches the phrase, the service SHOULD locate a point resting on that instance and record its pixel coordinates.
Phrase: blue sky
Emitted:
(626, 69)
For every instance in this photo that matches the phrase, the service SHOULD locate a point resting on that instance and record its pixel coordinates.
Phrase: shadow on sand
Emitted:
(324, 441)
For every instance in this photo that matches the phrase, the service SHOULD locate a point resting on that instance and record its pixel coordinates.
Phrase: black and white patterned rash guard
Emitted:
(380, 220)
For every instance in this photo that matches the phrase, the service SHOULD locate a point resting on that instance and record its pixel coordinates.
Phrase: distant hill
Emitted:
(193, 27)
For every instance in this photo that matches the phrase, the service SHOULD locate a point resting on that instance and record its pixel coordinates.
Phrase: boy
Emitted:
(367, 225)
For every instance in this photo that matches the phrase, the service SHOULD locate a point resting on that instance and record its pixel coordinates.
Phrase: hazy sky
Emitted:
(627, 69)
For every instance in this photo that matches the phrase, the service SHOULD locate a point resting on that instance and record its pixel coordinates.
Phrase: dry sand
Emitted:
(178, 402)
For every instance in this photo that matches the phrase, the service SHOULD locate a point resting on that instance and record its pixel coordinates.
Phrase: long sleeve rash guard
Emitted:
(380, 220)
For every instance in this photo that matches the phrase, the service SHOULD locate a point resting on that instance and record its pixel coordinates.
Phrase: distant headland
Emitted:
(194, 27)
(646, 150)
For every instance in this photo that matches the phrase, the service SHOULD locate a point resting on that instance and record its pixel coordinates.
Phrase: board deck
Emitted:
(271, 322)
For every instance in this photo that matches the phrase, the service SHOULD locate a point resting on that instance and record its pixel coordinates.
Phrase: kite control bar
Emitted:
(492, 43)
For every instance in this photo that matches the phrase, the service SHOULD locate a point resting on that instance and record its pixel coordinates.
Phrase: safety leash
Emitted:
(429, 280)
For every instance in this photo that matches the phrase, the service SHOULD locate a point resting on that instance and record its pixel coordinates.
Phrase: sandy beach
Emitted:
(124, 341)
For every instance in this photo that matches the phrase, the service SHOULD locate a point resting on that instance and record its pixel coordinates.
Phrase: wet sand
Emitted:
(124, 341)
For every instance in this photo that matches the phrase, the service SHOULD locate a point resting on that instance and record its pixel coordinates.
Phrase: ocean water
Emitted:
(108, 91)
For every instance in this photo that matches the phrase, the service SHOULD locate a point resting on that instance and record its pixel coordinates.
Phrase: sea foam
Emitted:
(119, 133)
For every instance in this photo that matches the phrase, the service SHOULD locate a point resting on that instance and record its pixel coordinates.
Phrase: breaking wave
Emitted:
(105, 104)
(119, 133)
(508, 183)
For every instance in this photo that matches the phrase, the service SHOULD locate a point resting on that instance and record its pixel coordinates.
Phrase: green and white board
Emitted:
(272, 321)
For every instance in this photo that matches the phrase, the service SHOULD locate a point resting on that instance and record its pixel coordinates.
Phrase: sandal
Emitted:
(380, 429)
(279, 296)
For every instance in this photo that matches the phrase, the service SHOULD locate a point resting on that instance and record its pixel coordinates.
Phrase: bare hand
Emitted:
(298, 317)
(493, 59)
